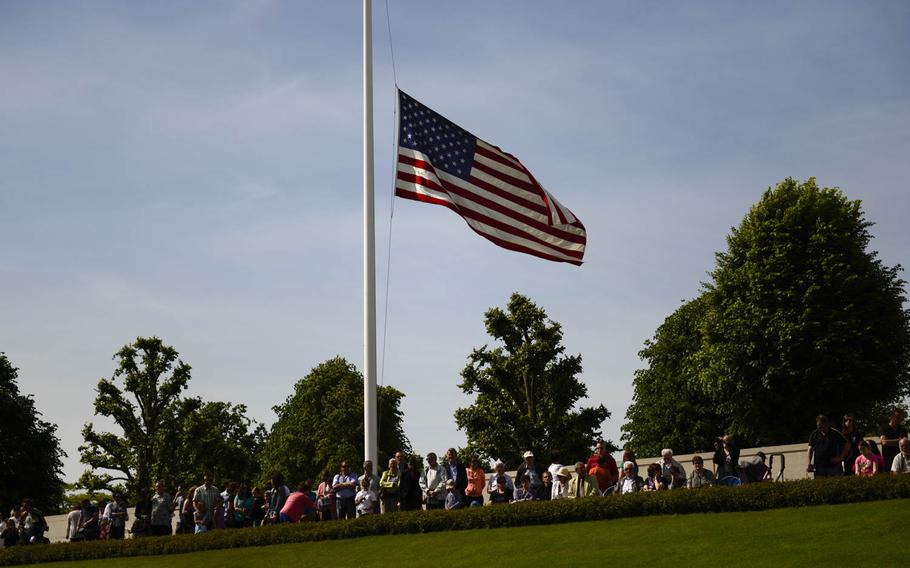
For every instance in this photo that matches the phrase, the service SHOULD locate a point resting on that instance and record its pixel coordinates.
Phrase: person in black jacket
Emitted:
(532, 469)
(726, 457)
(545, 493)
(456, 471)
(409, 494)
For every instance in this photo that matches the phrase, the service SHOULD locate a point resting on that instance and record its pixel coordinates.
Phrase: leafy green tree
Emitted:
(31, 460)
(212, 436)
(799, 318)
(668, 408)
(527, 389)
(152, 380)
(321, 423)
(164, 436)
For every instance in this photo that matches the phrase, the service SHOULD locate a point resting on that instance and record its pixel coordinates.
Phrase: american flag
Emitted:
(441, 163)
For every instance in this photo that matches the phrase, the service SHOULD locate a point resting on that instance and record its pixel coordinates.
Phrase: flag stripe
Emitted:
(440, 181)
(491, 229)
(483, 181)
(495, 214)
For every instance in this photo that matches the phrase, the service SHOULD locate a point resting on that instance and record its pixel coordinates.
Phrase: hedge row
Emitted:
(753, 497)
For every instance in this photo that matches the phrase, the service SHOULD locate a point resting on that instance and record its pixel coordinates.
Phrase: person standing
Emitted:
(141, 515)
(602, 475)
(179, 499)
(433, 483)
(280, 494)
(865, 466)
(827, 450)
(374, 483)
(187, 520)
(366, 500)
(499, 472)
(118, 512)
(726, 457)
(901, 462)
(72, 524)
(854, 436)
(532, 469)
(227, 498)
(672, 471)
(409, 494)
(890, 435)
(453, 496)
(243, 506)
(162, 511)
(204, 499)
(402, 458)
(600, 451)
(388, 487)
(345, 487)
(456, 472)
(473, 492)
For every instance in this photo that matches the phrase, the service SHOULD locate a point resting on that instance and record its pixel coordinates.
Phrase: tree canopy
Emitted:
(163, 435)
(31, 460)
(798, 318)
(527, 389)
(212, 436)
(321, 423)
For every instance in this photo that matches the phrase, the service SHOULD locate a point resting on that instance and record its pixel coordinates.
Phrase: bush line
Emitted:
(754, 497)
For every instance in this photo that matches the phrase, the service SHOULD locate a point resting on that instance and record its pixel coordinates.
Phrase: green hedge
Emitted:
(753, 497)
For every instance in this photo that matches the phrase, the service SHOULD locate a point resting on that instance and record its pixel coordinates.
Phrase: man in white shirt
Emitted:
(73, 520)
(901, 463)
(433, 483)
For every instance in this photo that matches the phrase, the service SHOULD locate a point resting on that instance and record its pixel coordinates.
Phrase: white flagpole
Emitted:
(370, 424)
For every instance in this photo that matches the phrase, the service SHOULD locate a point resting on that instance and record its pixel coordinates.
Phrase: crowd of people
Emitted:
(408, 485)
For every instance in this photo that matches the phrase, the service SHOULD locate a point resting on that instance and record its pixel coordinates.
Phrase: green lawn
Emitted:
(777, 537)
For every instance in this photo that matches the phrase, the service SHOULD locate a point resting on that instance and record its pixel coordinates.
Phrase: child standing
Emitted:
(453, 498)
(365, 499)
(201, 521)
(865, 465)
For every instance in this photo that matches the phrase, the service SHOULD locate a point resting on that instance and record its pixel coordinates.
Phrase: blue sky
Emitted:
(192, 171)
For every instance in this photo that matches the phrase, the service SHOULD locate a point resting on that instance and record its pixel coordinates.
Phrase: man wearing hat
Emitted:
(533, 470)
(453, 496)
(582, 485)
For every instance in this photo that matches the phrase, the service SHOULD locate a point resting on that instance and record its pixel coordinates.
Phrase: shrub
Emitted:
(755, 497)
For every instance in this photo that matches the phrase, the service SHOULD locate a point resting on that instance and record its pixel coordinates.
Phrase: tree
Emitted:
(799, 318)
(148, 402)
(212, 436)
(321, 423)
(31, 461)
(668, 408)
(164, 436)
(526, 389)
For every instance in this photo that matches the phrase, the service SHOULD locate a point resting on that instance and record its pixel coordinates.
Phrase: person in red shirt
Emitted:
(601, 450)
(602, 474)
(297, 505)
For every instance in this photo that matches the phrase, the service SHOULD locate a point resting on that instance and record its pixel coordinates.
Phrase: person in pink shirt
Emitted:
(298, 505)
(877, 457)
(865, 466)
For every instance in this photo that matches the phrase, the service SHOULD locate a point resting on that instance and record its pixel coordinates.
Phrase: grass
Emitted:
(822, 535)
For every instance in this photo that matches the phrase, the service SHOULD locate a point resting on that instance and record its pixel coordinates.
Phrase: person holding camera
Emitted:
(726, 457)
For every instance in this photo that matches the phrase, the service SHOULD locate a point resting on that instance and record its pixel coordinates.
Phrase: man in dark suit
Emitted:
(456, 471)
